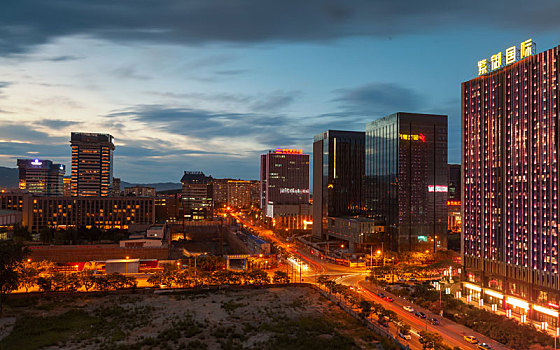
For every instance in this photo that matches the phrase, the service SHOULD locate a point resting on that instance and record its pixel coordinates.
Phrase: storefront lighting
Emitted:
(517, 302)
(545, 310)
(494, 294)
(473, 287)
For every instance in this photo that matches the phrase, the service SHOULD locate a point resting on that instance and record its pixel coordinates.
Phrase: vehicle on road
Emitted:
(381, 295)
(433, 321)
(412, 279)
(389, 299)
(408, 308)
(420, 314)
(483, 346)
(470, 339)
(405, 336)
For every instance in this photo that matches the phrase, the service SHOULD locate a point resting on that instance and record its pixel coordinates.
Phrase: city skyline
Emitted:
(183, 94)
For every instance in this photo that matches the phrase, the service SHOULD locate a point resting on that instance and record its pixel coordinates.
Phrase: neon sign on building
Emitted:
(288, 151)
(526, 49)
(437, 188)
(36, 162)
(407, 137)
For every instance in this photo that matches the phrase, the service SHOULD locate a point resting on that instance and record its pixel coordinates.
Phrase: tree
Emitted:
(87, 279)
(281, 277)
(366, 308)
(404, 328)
(44, 283)
(258, 277)
(11, 256)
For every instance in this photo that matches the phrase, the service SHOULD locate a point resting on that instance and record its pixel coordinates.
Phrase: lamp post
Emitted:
(126, 266)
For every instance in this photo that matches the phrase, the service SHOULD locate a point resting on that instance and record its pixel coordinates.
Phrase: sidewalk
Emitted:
(448, 324)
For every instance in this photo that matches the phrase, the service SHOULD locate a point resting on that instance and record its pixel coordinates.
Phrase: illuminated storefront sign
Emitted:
(526, 49)
(494, 294)
(452, 203)
(419, 137)
(517, 302)
(472, 287)
(36, 162)
(437, 188)
(288, 151)
(294, 190)
(551, 304)
(545, 310)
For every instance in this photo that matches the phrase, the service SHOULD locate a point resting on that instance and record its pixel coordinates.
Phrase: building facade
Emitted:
(338, 172)
(196, 196)
(510, 185)
(284, 178)
(92, 164)
(406, 179)
(40, 212)
(140, 191)
(41, 177)
(454, 199)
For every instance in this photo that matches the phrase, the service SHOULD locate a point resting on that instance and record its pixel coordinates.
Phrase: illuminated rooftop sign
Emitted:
(497, 61)
(437, 188)
(36, 162)
(452, 203)
(294, 190)
(288, 150)
(419, 137)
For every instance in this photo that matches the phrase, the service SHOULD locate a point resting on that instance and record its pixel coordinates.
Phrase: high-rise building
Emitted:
(284, 179)
(197, 196)
(338, 172)
(67, 186)
(454, 199)
(41, 177)
(116, 190)
(510, 183)
(406, 179)
(92, 164)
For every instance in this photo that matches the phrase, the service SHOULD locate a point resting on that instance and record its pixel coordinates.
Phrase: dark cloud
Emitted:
(27, 23)
(63, 58)
(379, 99)
(57, 123)
(274, 102)
(129, 73)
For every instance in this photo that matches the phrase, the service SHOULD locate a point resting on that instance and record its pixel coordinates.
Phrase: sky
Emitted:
(210, 85)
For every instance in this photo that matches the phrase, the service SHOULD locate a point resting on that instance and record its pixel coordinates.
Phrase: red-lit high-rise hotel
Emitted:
(510, 151)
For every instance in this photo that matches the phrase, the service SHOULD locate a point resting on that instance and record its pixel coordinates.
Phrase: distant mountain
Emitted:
(9, 177)
(160, 186)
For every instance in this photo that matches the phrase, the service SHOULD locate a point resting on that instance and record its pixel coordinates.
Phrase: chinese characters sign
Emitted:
(288, 150)
(497, 61)
(419, 137)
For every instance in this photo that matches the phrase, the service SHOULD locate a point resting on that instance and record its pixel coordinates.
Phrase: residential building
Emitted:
(67, 186)
(454, 199)
(41, 176)
(197, 196)
(510, 184)
(406, 179)
(92, 164)
(116, 190)
(140, 191)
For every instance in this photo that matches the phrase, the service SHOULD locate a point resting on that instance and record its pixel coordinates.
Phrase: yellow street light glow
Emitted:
(378, 252)
(473, 287)
(517, 302)
(127, 258)
(493, 293)
(546, 311)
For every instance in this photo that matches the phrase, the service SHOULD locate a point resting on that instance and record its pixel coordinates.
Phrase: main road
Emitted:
(451, 332)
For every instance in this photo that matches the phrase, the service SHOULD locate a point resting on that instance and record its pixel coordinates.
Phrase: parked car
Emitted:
(383, 322)
(408, 308)
(420, 314)
(433, 321)
(471, 339)
(405, 336)
(483, 346)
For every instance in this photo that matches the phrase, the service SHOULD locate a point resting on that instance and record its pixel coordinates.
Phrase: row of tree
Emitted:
(188, 276)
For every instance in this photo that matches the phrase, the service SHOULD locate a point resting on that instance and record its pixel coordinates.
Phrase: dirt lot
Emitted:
(266, 318)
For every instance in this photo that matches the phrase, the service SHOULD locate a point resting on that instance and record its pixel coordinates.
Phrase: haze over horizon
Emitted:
(211, 85)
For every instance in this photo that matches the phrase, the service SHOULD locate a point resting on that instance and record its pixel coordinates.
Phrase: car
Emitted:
(381, 295)
(408, 308)
(420, 314)
(389, 299)
(405, 336)
(470, 339)
(483, 346)
(433, 320)
(412, 279)
(383, 322)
